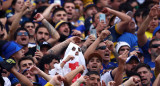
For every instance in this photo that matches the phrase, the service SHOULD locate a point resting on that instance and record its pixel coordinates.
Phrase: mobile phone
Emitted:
(57, 1)
(102, 18)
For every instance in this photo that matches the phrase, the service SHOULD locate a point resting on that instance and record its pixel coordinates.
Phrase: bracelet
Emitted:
(64, 62)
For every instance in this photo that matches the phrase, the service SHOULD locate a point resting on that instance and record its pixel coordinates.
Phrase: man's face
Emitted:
(64, 30)
(60, 15)
(30, 76)
(122, 49)
(155, 51)
(94, 80)
(22, 38)
(30, 27)
(130, 66)
(94, 64)
(25, 64)
(153, 24)
(90, 11)
(70, 8)
(146, 75)
(42, 35)
(79, 3)
(104, 51)
(131, 26)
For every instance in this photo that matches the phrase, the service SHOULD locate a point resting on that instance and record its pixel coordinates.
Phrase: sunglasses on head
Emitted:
(155, 45)
(29, 26)
(21, 33)
(101, 48)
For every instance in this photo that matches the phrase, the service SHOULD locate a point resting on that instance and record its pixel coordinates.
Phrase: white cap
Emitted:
(120, 44)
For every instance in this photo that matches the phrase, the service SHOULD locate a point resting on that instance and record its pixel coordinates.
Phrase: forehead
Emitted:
(156, 42)
(94, 75)
(69, 4)
(94, 58)
(20, 0)
(142, 69)
(60, 12)
(26, 61)
(28, 23)
(43, 29)
(22, 31)
(101, 44)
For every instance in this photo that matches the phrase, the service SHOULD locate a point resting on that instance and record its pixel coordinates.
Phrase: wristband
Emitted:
(64, 62)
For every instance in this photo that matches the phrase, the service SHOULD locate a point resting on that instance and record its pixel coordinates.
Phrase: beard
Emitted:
(62, 38)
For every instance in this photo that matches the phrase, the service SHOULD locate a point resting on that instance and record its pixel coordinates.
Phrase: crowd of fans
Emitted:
(79, 43)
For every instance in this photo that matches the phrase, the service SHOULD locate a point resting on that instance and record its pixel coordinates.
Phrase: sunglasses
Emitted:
(21, 33)
(155, 45)
(101, 48)
(29, 26)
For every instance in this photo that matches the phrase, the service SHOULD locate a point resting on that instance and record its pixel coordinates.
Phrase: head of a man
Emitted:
(131, 63)
(69, 6)
(94, 62)
(104, 51)
(156, 33)
(154, 48)
(30, 27)
(63, 28)
(25, 63)
(102, 3)
(47, 62)
(144, 71)
(41, 34)
(121, 47)
(94, 78)
(21, 36)
(90, 9)
(115, 3)
(59, 14)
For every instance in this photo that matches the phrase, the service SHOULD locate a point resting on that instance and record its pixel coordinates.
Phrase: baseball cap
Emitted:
(10, 48)
(88, 5)
(58, 24)
(120, 44)
(95, 54)
(132, 57)
(45, 44)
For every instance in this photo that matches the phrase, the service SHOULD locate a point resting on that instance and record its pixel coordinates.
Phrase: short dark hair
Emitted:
(133, 74)
(67, 1)
(150, 43)
(92, 72)
(1, 25)
(143, 65)
(23, 24)
(58, 9)
(40, 26)
(19, 29)
(25, 58)
(125, 7)
(47, 59)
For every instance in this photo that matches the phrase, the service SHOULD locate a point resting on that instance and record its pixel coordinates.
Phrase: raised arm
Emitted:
(15, 23)
(57, 49)
(122, 25)
(142, 38)
(69, 76)
(36, 70)
(94, 45)
(52, 31)
(120, 70)
(48, 11)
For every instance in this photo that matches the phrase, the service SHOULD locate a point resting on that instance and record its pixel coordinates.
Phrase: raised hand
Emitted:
(110, 45)
(123, 57)
(34, 70)
(90, 40)
(39, 17)
(154, 11)
(69, 57)
(75, 39)
(57, 80)
(76, 33)
(104, 34)
(111, 83)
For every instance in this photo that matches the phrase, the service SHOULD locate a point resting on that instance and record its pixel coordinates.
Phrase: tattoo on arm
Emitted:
(50, 28)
